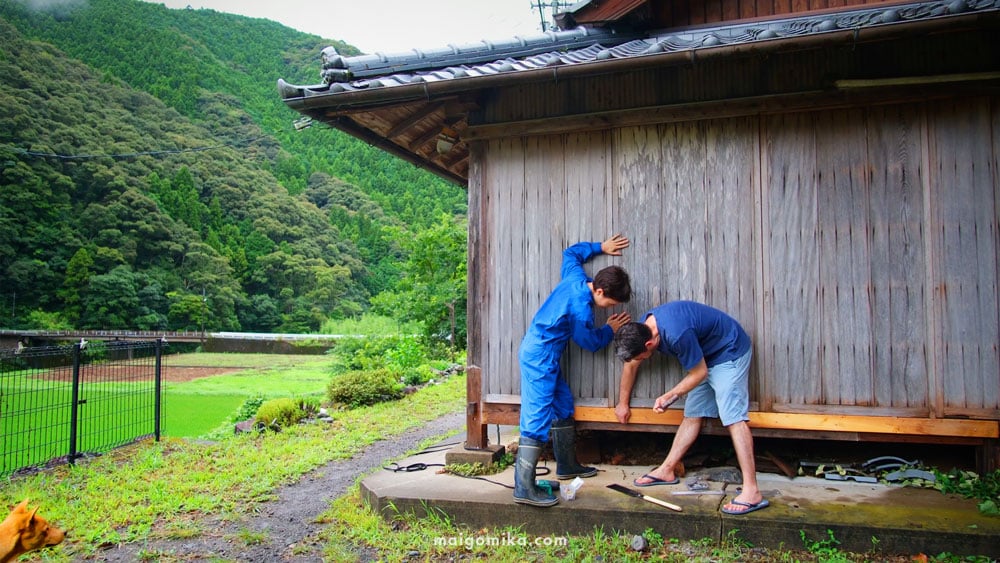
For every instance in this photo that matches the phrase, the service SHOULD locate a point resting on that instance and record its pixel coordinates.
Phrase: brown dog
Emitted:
(23, 531)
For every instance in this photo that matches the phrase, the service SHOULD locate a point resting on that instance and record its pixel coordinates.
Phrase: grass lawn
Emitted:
(187, 415)
(123, 495)
(197, 407)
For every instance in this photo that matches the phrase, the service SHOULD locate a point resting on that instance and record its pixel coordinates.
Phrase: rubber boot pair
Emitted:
(564, 450)
(526, 490)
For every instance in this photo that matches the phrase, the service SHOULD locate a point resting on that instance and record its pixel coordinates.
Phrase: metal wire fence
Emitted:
(59, 403)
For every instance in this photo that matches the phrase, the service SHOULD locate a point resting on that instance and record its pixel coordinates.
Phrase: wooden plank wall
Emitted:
(896, 186)
(858, 226)
(681, 13)
(857, 246)
(544, 200)
(964, 230)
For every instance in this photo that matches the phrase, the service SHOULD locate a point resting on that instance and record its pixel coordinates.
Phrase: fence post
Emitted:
(74, 404)
(156, 400)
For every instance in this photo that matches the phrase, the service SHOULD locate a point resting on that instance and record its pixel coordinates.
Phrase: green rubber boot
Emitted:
(564, 449)
(525, 489)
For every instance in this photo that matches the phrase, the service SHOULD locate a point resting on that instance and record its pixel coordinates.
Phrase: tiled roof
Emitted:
(582, 45)
(417, 104)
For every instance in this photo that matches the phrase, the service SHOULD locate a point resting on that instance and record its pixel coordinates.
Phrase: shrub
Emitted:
(360, 388)
(376, 352)
(248, 409)
(309, 406)
(279, 413)
(418, 375)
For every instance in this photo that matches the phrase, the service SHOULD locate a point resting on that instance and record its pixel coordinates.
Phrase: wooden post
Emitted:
(988, 457)
(475, 429)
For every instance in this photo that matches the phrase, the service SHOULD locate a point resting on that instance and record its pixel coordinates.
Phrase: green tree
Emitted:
(261, 314)
(180, 200)
(75, 284)
(188, 311)
(218, 193)
(151, 314)
(433, 288)
(111, 300)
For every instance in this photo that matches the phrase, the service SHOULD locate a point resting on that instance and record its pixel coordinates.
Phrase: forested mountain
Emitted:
(150, 177)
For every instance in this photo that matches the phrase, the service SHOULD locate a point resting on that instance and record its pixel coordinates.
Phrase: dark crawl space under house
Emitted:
(826, 171)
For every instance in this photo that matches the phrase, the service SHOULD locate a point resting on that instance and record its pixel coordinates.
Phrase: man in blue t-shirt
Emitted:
(546, 399)
(715, 353)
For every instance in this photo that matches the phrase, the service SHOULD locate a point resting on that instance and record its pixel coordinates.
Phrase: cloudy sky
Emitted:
(391, 25)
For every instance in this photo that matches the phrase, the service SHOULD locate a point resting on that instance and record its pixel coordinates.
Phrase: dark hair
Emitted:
(630, 340)
(614, 281)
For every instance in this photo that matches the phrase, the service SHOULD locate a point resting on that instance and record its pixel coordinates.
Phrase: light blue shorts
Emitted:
(724, 394)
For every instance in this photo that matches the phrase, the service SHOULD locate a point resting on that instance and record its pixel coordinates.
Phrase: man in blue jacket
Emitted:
(715, 353)
(546, 399)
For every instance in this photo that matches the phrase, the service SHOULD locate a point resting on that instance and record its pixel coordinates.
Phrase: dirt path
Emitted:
(289, 522)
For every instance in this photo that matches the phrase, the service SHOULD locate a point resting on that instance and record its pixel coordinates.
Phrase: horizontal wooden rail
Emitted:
(823, 422)
(878, 424)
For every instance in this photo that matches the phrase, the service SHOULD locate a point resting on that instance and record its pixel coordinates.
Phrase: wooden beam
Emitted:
(422, 140)
(851, 95)
(915, 80)
(475, 427)
(361, 132)
(501, 413)
(414, 118)
(820, 422)
(878, 424)
(672, 417)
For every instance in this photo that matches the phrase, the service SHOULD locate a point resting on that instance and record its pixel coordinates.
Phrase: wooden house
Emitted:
(826, 171)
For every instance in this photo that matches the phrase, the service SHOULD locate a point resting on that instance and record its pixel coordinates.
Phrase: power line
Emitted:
(554, 6)
(121, 156)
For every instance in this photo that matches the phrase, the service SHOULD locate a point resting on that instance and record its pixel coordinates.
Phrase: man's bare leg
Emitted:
(687, 433)
(743, 444)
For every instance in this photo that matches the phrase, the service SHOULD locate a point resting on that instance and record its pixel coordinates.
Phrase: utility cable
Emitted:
(122, 156)
(396, 468)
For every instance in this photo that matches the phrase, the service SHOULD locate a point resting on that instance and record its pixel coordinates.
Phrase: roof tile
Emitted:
(585, 45)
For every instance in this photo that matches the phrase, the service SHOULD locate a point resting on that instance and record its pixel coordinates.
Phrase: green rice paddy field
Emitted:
(201, 394)
(193, 407)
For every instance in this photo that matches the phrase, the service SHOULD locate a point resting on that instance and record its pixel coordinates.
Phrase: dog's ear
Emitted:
(31, 515)
(22, 506)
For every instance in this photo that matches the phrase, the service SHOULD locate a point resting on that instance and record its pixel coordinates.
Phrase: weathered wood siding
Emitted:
(858, 247)
(963, 149)
(679, 13)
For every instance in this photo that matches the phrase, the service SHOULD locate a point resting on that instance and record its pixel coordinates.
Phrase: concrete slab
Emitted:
(863, 517)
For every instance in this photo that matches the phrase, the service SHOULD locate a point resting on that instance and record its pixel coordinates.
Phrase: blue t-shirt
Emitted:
(569, 310)
(692, 331)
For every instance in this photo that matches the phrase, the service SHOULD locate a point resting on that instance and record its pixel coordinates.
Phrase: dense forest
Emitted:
(151, 178)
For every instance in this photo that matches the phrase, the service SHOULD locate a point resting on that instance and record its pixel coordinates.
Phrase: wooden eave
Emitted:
(430, 123)
(606, 12)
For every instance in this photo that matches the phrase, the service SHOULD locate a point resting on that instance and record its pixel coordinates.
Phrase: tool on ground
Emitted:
(647, 498)
(696, 484)
(546, 485)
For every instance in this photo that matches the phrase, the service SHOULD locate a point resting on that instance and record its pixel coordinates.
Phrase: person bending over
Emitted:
(715, 352)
